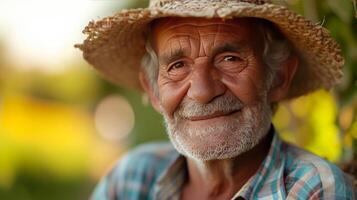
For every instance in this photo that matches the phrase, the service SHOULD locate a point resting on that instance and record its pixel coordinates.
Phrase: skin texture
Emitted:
(201, 60)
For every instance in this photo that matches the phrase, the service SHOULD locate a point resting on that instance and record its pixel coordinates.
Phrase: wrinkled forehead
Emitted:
(240, 29)
(172, 21)
(174, 24)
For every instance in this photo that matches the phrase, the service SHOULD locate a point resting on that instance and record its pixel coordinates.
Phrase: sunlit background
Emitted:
(62, 126)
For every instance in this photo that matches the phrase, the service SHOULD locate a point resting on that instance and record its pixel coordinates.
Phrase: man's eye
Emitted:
(231, 58)
(176, 65)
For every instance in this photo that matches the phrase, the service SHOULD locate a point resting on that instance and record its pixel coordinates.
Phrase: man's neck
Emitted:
(217, 178)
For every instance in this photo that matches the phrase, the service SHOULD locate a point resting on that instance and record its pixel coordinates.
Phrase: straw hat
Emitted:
(116, 44)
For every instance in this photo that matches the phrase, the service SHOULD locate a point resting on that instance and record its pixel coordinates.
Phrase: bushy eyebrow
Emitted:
(226, 47)
(171, 56)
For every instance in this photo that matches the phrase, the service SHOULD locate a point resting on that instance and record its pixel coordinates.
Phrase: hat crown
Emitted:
(161, 3)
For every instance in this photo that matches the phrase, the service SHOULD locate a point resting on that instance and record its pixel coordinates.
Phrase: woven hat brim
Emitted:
(115, 45)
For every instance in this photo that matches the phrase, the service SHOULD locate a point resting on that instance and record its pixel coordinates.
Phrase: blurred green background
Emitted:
(62, 126)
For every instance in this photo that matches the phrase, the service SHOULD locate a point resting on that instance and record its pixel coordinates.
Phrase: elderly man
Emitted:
(216, 71)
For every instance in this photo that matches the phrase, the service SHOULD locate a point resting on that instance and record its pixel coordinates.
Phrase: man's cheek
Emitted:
(243, 88)
(171, 96)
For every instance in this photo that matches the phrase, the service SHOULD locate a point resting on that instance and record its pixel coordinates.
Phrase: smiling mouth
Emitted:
(214, 115)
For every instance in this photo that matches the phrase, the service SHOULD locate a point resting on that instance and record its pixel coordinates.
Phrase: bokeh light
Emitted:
(114, 118)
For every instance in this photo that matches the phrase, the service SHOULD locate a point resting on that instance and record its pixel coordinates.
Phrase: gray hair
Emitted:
(150, 64)
(276, 50)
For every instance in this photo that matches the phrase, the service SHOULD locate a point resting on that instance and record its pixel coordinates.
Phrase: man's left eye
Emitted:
(231, 58)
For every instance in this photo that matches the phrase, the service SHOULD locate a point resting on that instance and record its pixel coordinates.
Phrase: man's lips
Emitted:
(214, 115)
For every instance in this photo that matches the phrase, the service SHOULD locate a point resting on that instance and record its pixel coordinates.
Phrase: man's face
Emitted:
(212, 85)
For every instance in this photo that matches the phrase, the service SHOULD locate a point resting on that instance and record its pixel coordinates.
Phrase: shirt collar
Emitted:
(271, 170)
(170, 182)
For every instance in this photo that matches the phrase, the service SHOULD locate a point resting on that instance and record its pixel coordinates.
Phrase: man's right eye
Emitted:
(176, 65)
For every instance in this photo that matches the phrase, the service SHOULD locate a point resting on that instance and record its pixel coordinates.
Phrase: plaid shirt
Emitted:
(157, 171)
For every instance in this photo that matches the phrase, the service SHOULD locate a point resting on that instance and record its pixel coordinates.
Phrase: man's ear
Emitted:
(145, 84)
(282, 79)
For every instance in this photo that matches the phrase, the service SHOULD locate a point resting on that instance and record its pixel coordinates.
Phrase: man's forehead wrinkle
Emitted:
(209, 44)
(182, 46)
(172, 51)
(206, 41)
(216, 36)
(190, 25)
(201, 34)
(201, 50)
(179, 36)
(168, 23)
(182, 39)
(191, 45)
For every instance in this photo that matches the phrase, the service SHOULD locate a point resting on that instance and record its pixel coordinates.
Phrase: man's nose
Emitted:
(205, 85)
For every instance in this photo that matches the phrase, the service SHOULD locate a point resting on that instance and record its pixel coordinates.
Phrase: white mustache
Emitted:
(224, 104)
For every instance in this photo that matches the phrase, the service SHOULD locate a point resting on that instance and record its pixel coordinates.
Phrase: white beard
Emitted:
(228, 139)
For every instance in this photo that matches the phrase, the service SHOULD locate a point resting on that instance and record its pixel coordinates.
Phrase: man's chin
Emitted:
(212, 148)
(213, 154)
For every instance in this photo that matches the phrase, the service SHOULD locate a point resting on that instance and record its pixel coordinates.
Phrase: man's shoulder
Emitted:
(147, 159)
(309, 175)
(156, 154)
(136, 172)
